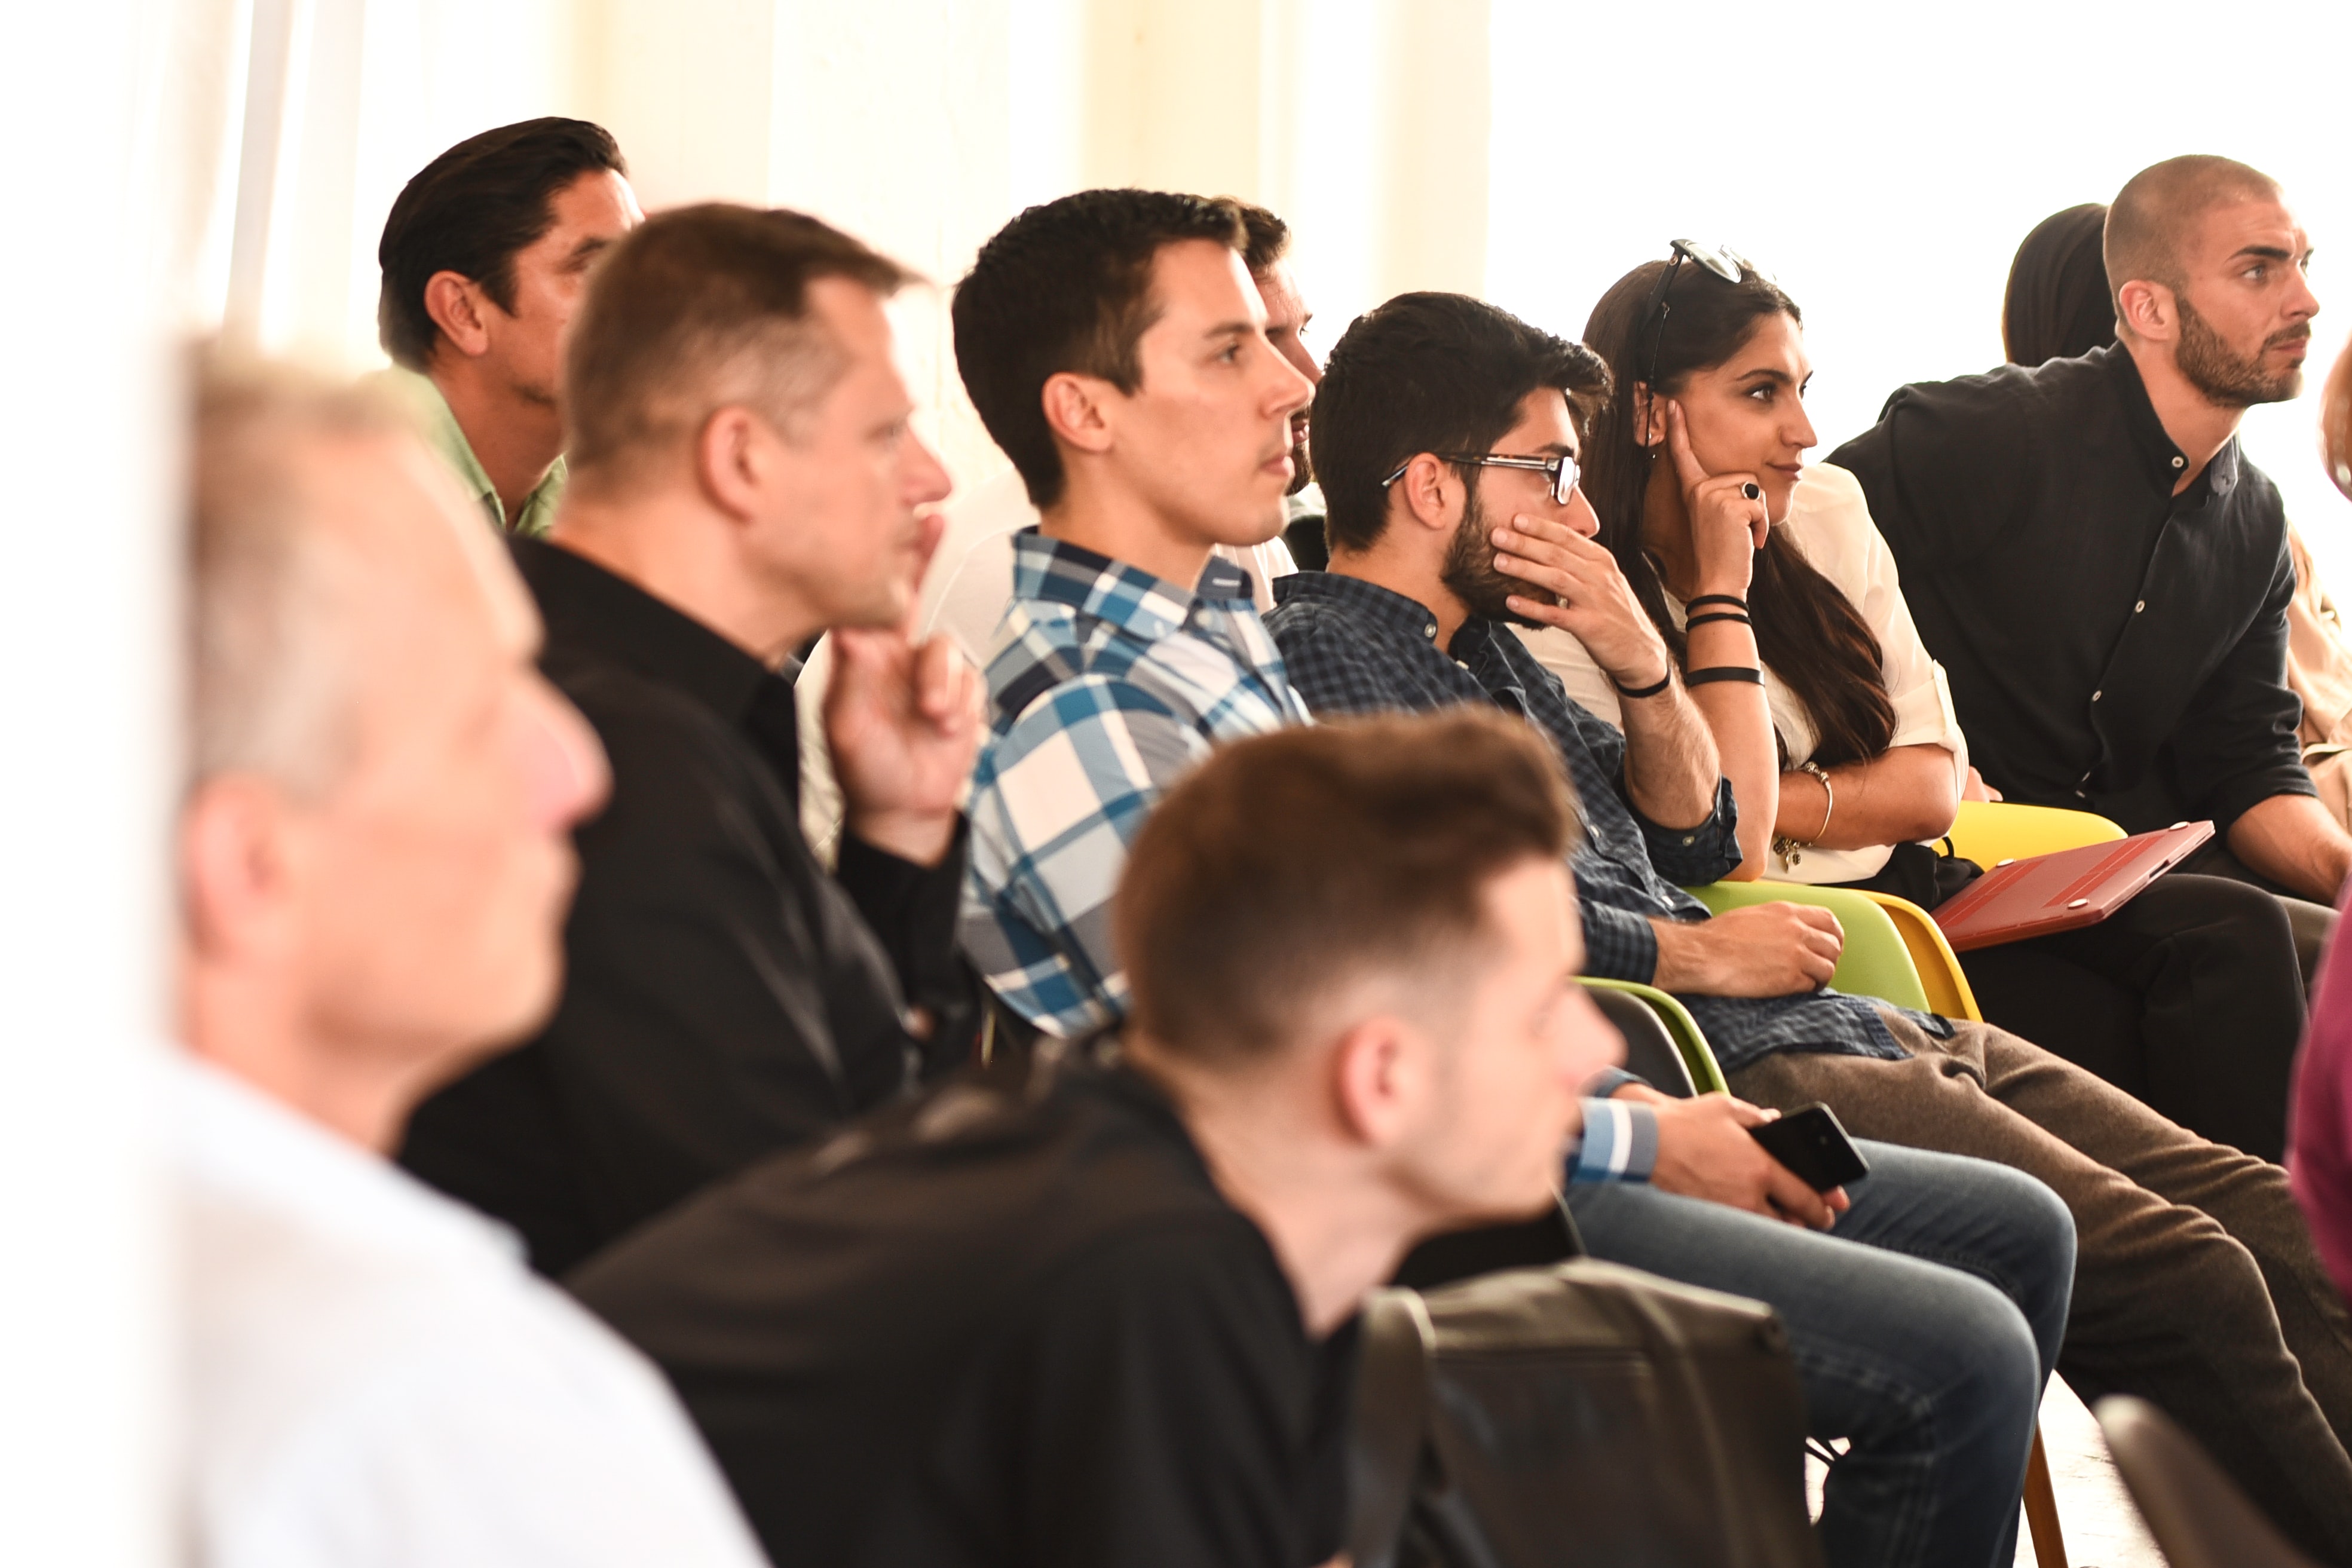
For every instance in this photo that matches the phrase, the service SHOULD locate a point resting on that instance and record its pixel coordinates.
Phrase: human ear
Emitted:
(1649, 425)
(2147, 310)
(452, 301)
(1427, 488)
(734, 462)
(1380, 1078)
(1075, 411)
(237, 880)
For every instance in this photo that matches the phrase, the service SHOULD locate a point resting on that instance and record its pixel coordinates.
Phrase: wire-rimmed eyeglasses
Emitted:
(1562, 471)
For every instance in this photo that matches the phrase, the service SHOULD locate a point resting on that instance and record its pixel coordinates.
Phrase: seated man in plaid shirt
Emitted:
(2195, 1286)
(1112, 343)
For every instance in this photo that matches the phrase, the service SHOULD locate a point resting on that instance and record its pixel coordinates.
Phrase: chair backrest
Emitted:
(1698, 1058)
(1991, 831)
(2197, 1514)
(1650, 1051)
(1876, 960)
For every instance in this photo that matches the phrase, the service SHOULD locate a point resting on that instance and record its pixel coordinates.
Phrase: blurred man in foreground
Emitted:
(1089, 1315)
(373, 869)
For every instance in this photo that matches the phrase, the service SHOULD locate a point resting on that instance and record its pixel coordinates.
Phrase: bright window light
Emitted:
(1884, 161)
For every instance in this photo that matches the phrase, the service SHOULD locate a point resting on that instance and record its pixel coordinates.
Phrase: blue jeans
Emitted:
(1924, 1328)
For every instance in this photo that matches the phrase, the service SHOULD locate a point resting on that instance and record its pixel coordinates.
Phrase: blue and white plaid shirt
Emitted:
(1351, 647)
(1106, 685)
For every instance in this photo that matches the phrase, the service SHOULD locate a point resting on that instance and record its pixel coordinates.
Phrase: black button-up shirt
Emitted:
(724, 997)
(1352, 646)
(2110, 645)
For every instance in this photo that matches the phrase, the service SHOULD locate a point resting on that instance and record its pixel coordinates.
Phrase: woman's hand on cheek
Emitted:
(1729, 519)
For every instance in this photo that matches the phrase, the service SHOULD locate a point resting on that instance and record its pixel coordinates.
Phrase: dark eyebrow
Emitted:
(1231, 330)
(588, 247)
(1766, 373)
(2266, 252)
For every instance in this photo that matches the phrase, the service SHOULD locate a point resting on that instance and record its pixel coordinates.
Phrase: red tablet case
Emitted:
(2074, 888)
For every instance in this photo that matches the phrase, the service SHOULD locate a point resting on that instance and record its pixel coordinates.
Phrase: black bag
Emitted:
(1579, 1414)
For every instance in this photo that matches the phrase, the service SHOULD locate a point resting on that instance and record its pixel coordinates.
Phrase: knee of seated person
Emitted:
(2256, 918)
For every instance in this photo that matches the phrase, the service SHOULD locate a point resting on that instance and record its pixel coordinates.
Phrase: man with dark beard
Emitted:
(2102, 574)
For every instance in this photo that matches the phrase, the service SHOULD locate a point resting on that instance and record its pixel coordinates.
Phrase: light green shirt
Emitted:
(440, 428)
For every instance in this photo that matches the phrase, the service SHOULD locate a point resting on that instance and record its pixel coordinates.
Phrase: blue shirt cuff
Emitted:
(1609, 1080)
(1619, 1143)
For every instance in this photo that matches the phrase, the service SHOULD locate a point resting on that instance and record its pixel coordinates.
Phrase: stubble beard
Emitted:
(2226, 378)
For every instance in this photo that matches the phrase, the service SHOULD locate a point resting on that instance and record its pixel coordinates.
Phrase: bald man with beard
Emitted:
(2101, 572)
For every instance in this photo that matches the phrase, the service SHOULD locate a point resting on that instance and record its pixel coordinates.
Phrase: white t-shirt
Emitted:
(376, 1379)
(965, 593)
(1828, 521)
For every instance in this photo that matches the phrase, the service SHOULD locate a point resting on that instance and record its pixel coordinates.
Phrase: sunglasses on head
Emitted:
(1722, 260)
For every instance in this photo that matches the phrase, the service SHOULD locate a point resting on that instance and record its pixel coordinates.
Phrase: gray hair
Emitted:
(271, 664)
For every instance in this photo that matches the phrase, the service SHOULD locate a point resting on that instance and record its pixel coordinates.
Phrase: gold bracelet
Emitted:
(1792, 849)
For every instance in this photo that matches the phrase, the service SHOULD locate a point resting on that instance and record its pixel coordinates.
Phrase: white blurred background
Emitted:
(1884, 162)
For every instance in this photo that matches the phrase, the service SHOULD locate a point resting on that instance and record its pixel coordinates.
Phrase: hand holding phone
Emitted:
(1813, 1144)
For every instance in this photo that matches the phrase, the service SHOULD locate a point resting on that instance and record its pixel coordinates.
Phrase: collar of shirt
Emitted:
(2161, 459)
(596, 614)
(1148, 609)
(234, 1139)
(444, 435)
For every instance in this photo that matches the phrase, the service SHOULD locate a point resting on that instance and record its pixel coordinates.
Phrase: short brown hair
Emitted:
(698, 309)
(1066, 286)
(2152, 215)
(271, 671)
(1268, 236)
(1290, 866)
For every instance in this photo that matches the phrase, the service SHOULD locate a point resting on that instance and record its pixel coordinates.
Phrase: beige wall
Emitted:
(921, 125)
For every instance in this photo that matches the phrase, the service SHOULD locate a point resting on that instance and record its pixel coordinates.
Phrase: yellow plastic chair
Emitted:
(1990, 831)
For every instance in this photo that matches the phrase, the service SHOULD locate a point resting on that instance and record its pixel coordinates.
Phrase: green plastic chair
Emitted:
(1689, 1039)
(1876, 962)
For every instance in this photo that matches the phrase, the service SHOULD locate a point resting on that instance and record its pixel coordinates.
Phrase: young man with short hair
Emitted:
(2197, 1284)
(2095, 564)
(1066, 1314)
(743, 475)
(373, 865)
(1111, 342)
(485, 256)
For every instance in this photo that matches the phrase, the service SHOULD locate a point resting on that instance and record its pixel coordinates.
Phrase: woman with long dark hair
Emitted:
(2189, 997)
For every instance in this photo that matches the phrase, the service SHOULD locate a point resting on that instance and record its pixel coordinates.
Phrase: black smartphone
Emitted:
(1812, 1143)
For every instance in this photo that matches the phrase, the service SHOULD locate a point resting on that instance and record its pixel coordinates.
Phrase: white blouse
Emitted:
(1829, 522)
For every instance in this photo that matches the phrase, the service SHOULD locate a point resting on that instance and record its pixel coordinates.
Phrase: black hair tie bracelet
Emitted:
(1636, 693)
(1698, 621)
(1734, 600)
(1715, 672)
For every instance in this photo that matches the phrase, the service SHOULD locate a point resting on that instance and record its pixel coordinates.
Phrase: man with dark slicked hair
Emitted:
(2101, 572)
(485, 258)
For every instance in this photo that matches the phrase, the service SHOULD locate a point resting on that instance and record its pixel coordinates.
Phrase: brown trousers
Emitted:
(2196, 1283)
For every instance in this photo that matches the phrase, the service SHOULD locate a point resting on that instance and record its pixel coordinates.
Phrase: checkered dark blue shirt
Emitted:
(1350, 647)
